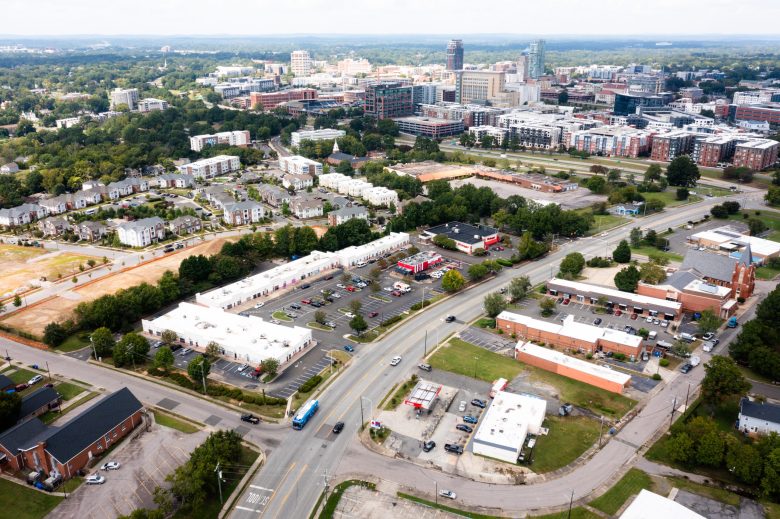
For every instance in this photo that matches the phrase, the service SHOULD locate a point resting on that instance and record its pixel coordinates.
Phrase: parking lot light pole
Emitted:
(475, 365)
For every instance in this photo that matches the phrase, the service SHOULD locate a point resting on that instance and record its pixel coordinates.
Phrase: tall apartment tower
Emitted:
(455, 55)
(124, 96)
(300, 63)
(522, 67)
(536, 59)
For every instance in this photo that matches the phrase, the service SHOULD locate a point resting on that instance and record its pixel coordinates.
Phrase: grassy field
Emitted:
(670, 198)
(629, 485)
(23, 502)
(646, 250)
(576, 513)
(68, 391)
(770, 218)
(767, 273)
(281, 316)
(605, 222)
(21, 376)
(718, 494)
(460, 513)
(569, 437)
(167, 420)
(459, 357)
(75, 342)
(398, 394)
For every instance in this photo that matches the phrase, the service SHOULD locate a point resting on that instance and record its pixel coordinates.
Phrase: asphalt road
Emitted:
(292, 480)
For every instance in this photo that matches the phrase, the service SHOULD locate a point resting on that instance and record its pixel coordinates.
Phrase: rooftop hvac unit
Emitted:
(476, 236)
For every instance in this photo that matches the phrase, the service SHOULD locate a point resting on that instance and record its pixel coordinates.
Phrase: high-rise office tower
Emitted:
(455, 55)
(536, 59)
(300, 63)
(522, 67)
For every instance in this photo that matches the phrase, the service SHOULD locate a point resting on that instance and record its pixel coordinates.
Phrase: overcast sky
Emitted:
(274, 17)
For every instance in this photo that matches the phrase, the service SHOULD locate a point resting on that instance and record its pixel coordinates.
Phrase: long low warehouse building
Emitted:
(249, 339)
(577, 369)
(626, 301)
(504, 427)
(289, 274)
(569, 334)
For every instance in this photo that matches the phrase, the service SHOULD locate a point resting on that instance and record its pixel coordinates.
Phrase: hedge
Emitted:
(310, 384)
(417, 306)
(504, 262)
(391, 321)
(218, 389)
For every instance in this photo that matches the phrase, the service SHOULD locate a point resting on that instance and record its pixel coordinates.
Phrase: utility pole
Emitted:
(93, 347)
(219, 482)
(203, 375)
(49, 371)
(601, 430)
(571, 501)
(674, 404)
(687, 392)
(362, 420)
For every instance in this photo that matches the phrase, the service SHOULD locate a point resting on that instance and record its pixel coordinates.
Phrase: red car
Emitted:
(498, 247)
(395, 293)
(350, 288)
(373, 314)
(306, 301)
(566, 302)
(618, 312)
(633, 316)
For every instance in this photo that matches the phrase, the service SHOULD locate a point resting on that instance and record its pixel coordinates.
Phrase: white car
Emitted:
(396, 361)
(649, 320)
(260, 305)
(448, 493)
(95, 479)
(34, 380)
(275, 321)
(462, 406)
(111, 465)
(336, 295)
(341, 286)
(350, 315)
(388, 289)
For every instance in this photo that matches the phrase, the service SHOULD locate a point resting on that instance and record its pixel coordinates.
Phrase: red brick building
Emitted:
(270, 100)
(67, 449)
(757, 154)
(668, 146)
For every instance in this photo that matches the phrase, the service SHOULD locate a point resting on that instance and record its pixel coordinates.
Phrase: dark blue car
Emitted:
(469, 419)
(349, 348)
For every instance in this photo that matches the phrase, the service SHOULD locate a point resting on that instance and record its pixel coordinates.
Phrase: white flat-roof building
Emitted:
(375, 249)
(381, 196)
(730, 239)
(587, 293)
(150, 104)
(648, 505)
(211, 167)
(234, 138)
(505, 425)
(333, 180)
(315, 135)
(249, 339)
(300, 165)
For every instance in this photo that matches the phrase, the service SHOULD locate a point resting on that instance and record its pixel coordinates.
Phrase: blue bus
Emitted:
(305, 413)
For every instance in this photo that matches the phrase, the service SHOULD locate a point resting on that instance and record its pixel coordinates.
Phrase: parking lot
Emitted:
(144, 464)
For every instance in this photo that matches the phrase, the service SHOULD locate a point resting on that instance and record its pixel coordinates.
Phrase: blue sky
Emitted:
(447, 17)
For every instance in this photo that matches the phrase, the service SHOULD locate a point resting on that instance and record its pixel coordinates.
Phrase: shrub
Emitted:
(619, 356)
(417, 306)
(656, 376)
(310, 384)
(391, 321)
(663, 363)
(504, 262)
(589, 356)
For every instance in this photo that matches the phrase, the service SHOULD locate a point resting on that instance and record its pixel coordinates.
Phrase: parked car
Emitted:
(338, 427)
(479, 403)
(336, 295)
(329, 277)
(395, 361)
(350, 288)
(429, 445)
(686, 367)
(295, 306)
(275, 321)
(20, 387)
(373, 314)
(305, 286)
(250, 418)
(111, 465)
(462, 406)
(449, 318)
(597, 321)
(95, 479)
(185, 352)
(566, 302)
(349, 315)
(291, 315)
(349, 348)
(463, 427)
(306, 301)
(341, 286)
(708, 336)
(387, 289)
(330, 324)
(618, 312)
(470, 419)
(425, 367)
(34, 380)
(649, 320)
(395, 293)
(260, 304)
(175, 347)
(448, 493)
(656, 322)
(559, 300)
(455, 449)
(633, 317)
(316, 304)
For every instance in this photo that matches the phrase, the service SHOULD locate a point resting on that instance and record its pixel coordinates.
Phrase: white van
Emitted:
(402, 287)
(652, 336)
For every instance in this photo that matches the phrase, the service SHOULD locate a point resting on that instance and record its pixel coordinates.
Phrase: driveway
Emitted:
(145, 462)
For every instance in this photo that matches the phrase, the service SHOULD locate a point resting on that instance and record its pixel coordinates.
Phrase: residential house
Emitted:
(381, 196)
(21, 215)
(11, 167)
(217, 196)
(82, 199)
(186, 224)
(91, 184)
(141, 233)
(90, 231)
(55, 205)
(67, 449)
(274, 196)
(53, 226)
(346, 214)
(297, 181)
(306, 208)
(758, 417)
(170, 180)
(243, 213)
(38, 402)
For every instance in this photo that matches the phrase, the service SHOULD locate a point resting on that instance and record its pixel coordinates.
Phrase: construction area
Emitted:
(571, 199)
(429, 170)
(26, 268)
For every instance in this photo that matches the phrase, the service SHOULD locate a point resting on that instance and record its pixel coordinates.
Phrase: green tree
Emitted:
(198, 368)
(163, 358)
(494, 304)
(597, 185)
(320, 317)
(635, 237)
(652, 273)
(722, 379)
(54, 334)
(518, 288)
(17, 301)
(10, 407)
(452, 281)
(756, 226)
(270, 366)
(772, 196)
(547, 304)
(572, 264)
(132, 347)
(445, 243)
(528, 248)
(682, 193)
(168, 337)
(744, 461)
(653, 173)
(718, 211)
(358, 324)
(355, 305)
(708, 322)
(710, 449)
(770, 483)
(682, 171)
(622, 253)
(477, 271)
(680, 448)
(627, 279)
(102, 341)
(213, 350)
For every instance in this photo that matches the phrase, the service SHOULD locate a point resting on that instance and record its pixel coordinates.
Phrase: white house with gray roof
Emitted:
(22, 215)
(243, 213)
(757, 417)
(346, 214)
(141, 233)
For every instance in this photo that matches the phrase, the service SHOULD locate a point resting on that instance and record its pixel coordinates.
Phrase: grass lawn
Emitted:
(772, 510)
(770, 218)
(440, 506)
(75, 342)
(767, 272)
(605, 222)
(318, 326)
(629, 485)
(68, 391)
(398, 394)
(211, 507)
(569, 437)
(576, 513)
(21, 376)
(171, 421)
(24, 502)
(670, 198)
(718, 494)
(458, 356)
(281, 316)
(646, 250)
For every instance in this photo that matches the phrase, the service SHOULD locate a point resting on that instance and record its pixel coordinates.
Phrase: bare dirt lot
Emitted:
(24, 266)
(576, 199)
(61, 307)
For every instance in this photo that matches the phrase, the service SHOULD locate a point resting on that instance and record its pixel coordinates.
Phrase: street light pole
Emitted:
(475, 366)
(571, 501)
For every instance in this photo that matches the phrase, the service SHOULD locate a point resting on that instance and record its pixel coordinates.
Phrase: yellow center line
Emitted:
(273, 493)
(292, 487)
